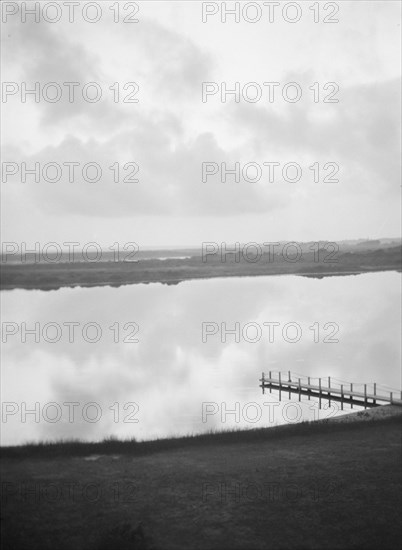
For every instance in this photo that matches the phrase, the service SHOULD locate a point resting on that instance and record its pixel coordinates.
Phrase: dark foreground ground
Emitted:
(321, 485)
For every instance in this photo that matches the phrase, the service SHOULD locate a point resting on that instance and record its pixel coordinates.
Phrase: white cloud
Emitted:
(170, 132)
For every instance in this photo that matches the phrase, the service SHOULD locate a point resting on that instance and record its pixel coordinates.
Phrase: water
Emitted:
(170, 372)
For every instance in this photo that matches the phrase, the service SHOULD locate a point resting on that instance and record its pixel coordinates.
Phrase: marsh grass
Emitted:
(339, 487)
(113, 445)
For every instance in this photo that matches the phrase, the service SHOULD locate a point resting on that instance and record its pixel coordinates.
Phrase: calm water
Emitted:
(170, 372)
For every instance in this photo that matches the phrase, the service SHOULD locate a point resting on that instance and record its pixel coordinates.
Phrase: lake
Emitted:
(149, 361)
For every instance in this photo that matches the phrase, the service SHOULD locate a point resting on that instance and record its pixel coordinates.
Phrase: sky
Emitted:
(170, 132)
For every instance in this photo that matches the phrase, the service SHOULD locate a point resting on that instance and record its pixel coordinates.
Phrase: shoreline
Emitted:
(246, 488)
(167, 281)
(353, 420)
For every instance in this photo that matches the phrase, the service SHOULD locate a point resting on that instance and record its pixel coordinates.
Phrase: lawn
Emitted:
(301, 486)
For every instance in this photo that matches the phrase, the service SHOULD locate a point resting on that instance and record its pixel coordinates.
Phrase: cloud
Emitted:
(360, 133)
(41, 53)
(170, 179)
(170, 132)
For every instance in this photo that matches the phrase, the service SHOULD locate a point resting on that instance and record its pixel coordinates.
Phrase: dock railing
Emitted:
(365, 395)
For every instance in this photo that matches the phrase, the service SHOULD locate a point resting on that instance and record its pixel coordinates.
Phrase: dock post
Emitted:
(270, 384)
(263, 383)
(365, 396)
(341, 397)
(351, 397)
(299, 390)
(319, 399)
(375, 392)
(390, 397)
(280, 386)
(329, 393)
(289, 380)
(309, 388)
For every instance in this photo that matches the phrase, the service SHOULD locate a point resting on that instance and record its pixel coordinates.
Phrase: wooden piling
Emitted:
(341, 397)
(299, 390)
(365, 396)
(280, 386)
(289, 381)
(329, 393)
(270, 386)
(309, 388)
(351, 397)
(319, 398)
(375, 392)
(263, 383)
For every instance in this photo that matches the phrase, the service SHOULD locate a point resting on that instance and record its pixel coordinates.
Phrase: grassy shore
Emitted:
(51, 276)
(313, 485)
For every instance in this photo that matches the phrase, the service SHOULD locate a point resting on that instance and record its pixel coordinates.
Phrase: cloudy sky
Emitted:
(170, 132)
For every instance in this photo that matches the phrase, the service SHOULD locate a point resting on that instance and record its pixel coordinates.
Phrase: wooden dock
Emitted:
(370, 395)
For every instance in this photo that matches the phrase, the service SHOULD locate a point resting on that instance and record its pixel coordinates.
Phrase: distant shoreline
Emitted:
(175, 269)
(192, 277)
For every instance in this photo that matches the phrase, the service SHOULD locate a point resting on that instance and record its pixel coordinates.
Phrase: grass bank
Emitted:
(314, 485)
